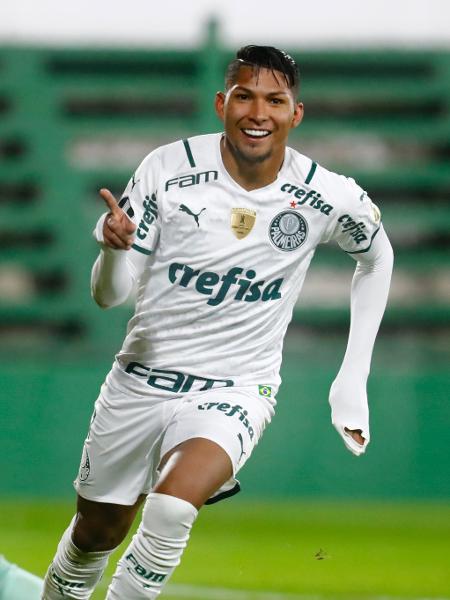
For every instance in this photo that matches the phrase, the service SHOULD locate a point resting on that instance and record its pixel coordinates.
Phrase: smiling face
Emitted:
(258, 111)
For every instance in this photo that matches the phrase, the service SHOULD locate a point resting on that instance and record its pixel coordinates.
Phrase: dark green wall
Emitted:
(56, 346)
(46, 408)
(393, 105)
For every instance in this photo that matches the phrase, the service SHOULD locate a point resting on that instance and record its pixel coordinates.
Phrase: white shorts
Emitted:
(129, 435)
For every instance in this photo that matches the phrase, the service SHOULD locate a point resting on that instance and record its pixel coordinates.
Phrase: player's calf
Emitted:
(73, 573)
(85, 547)
(155, 550)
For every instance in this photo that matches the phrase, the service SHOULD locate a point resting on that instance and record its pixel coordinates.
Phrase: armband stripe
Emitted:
(311, 173)
(369, 246)
(124, 204)
(140, 249)
(189, 153)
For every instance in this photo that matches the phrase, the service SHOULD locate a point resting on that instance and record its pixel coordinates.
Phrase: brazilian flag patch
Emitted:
(265, 390)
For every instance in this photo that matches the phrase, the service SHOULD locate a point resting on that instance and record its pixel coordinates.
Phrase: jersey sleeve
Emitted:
(140, 202)
(358, 220)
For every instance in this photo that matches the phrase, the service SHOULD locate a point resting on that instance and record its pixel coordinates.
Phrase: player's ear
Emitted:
(298, 114)
(219, 104)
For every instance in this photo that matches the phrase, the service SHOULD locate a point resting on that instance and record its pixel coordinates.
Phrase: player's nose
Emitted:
(258, 111)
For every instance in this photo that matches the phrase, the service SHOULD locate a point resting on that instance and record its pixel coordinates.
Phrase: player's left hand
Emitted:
(356, 435)
(350, 412)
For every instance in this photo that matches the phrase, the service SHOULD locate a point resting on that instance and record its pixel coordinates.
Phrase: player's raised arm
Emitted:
(118, 229)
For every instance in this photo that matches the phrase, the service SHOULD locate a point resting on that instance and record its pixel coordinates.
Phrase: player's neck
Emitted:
(250, 176)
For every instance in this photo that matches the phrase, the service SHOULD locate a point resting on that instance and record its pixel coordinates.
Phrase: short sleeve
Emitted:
(358, 221)
(140, 202)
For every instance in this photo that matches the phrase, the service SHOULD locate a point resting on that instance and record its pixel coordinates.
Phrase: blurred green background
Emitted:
(72, 121)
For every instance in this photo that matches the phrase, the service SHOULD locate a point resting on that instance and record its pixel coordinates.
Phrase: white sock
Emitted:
(155, 549)
(73, 574)
(17, 584)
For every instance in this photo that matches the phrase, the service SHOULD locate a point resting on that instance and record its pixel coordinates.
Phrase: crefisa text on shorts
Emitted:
(229, 410)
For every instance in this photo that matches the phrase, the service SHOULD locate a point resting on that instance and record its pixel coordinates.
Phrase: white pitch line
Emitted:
(210, 593)
(192, 592)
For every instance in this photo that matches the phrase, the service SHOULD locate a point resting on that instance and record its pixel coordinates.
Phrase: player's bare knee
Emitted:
(186, 482)
(176, 489)
(97, 537)
(100, 527)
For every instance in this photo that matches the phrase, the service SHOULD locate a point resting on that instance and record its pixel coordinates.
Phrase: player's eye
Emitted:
(276, 101)
(241, 96)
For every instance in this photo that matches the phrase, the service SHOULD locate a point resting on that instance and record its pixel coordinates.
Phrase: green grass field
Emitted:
(243, 550)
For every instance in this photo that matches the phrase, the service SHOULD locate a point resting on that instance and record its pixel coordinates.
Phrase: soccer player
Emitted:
(18, 584)
(217, 232)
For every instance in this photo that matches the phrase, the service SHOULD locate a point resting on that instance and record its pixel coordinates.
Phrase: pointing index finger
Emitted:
(111, 202)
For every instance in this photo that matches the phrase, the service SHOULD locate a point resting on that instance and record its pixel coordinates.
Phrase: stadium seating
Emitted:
(75, 120)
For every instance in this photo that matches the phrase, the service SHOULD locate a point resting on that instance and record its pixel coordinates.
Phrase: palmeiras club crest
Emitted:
(85, 466)
(242, 221)
(288, 230)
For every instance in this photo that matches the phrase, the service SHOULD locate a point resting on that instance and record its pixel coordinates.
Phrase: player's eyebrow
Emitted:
(279, 93)
(242, 88)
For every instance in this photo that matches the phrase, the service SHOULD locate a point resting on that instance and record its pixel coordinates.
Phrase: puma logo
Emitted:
(187, 210)
(241, 441)
(134, 182)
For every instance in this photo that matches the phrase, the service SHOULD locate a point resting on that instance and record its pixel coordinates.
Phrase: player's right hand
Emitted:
(118, 228)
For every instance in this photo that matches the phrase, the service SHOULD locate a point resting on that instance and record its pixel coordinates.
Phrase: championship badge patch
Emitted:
(265, 390)
(376, 213)
(242, 221)
(288, 230)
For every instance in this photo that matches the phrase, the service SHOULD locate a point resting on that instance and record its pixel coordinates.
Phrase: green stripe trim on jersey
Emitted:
(189, 153)
(140, 249)
(311, 173)
(369, 246)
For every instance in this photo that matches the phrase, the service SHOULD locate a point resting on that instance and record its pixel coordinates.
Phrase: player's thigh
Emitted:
(194, 470)
(122, 449)
(230, 423)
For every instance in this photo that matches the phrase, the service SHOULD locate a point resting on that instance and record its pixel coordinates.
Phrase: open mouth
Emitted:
(256, 134)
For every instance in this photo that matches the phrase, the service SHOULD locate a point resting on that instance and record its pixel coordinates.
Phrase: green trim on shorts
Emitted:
(223, 495)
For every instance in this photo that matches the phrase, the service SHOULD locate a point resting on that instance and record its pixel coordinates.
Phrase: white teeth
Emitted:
(256, 132)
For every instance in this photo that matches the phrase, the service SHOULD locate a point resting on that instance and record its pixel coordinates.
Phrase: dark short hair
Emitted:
(264, 57)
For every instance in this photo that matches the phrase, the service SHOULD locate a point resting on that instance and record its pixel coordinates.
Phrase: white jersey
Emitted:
(224, 266)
